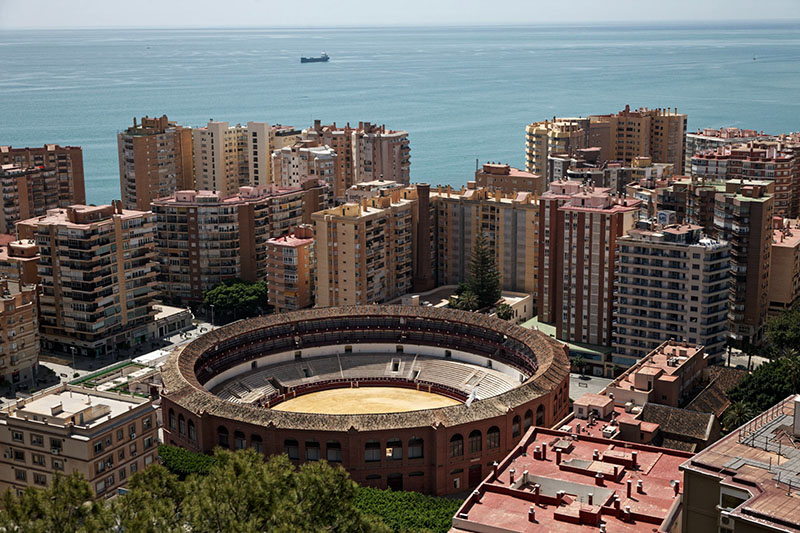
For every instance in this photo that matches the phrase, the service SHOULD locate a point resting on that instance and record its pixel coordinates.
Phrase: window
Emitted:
(148, 442)
(312, 450)
(333, 451)
(292, 449)
(515, 432)
(120, 434)
(192, 434)
(134, 468)
(132, 449)
(181, 426)
(257, 443)
(37, 440)
(98, 447)
(394, 449)
(222, 436)
(19, 455)
(528, 420)
(415, 448)
(147, 423)
(540, 415)
(493, 438)
(372, 451)
(122, 474)
(171, 420)
(132, 431)
(39, 479)
(58, 464)
(20, 475)
(17, 436)
(416, 474)
(38, 459)
(148, 460)
(55, 445)
(239, 442)
(456, 445)
(475, 441)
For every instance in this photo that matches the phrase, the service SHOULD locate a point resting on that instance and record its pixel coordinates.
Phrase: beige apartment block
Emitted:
(19, 261)
(105, 436)
(671, 283)
(19, 332)
(366, 252)
(656, 133)
(508, 180)
(206, 237)
(98, 275)
(507, 221)
(784, 271)
(294, 165)
(365, 153)
(578, 230)
(66, 161)
(290, 270)
(155, 160)
(557, 136)
(220, 157)
(743, 216)
(27, 192)
(711, 139)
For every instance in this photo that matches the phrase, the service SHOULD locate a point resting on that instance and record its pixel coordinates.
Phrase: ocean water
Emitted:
(461, 93)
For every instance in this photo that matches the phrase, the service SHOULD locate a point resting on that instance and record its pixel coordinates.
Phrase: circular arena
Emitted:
(412, 398)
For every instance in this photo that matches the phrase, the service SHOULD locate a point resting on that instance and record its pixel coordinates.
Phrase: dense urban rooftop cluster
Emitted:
(650, 248)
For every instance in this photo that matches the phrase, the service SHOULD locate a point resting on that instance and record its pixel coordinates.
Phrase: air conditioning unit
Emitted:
(457, 483)
(55, 451)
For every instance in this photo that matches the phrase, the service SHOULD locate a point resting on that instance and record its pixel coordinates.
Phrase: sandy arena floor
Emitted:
(364, 400)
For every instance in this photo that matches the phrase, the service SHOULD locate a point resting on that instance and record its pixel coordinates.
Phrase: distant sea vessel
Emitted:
(321, 59)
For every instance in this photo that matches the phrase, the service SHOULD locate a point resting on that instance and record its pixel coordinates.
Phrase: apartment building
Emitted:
(19, 333)
(784, 271)
(220, 157)
(743, 217)
(98, 275)
(19, 260)
(155, 160)
(756, 161)
(290, 270)
(503, 178)
(747, 481)
(557, 136)
(712, 139)
(507, 220)
(66, 161)
(656, 133)
(366, 252)
(578, 229)
(365, 153)
(293, 165)
(105, 436)
(206, 237)
(671, 284)
(27, 192)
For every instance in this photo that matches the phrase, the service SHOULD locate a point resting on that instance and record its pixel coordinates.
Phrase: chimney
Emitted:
(494, 469)
(536, 493)
(544, 451)
(595, 455)
(558, 456)
(531, 514)
(511, 475)
(640, 487)
(630, 484)
(634, 456)
(589, 498)
(598, 479)
(676, 486)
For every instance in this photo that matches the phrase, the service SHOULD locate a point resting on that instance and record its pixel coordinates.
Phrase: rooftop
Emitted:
(70, 405)
(576, 483)
(667, 360)
(761, 458)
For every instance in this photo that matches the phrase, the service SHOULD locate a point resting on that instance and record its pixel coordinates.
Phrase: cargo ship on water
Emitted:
(321, 59)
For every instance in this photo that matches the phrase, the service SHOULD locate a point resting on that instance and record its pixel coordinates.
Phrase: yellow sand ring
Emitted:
(364, 400)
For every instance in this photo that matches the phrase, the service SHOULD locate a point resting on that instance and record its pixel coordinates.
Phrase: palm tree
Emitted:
(738, 414)
(468, 301)
(580, 363)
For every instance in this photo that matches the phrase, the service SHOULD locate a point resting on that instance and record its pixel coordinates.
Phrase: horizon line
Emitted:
(566, 24)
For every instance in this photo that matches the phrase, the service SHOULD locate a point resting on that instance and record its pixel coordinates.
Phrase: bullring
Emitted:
(228, 389)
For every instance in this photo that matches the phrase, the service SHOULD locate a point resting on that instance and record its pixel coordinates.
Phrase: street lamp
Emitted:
(212, 314)
(72, 349)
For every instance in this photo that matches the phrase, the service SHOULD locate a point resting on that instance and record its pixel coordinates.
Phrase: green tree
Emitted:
(579, 362)
(153, 504)
(236, 298)
(505, 312)
(66, 504)
(783, 332)
(737, 415)
(483, 279)
(467, 301)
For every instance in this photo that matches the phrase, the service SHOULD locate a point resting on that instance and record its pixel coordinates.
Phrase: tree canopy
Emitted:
(236, 298)
(483, 279)
(240, 492)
